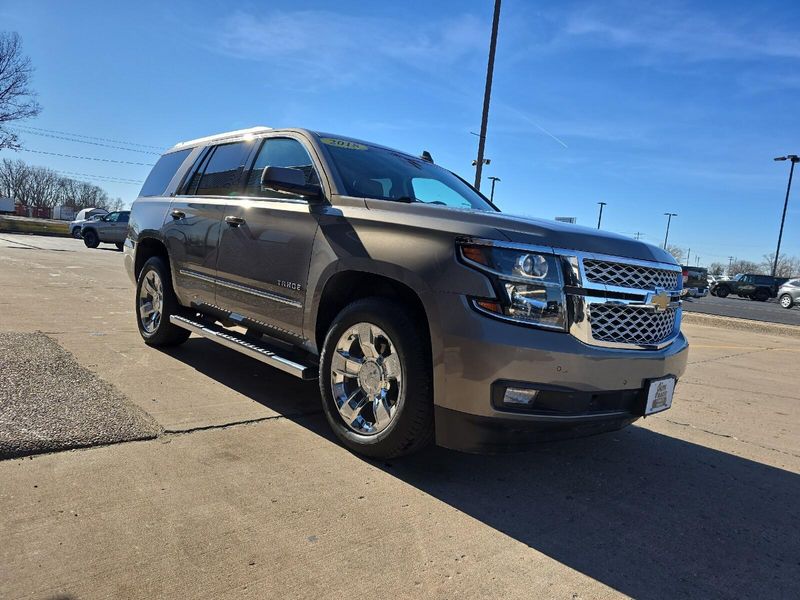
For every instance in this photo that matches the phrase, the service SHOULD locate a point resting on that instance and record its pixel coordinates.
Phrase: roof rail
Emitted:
(238, 133)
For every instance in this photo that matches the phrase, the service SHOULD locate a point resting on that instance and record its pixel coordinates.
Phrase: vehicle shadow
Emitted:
(649, 515)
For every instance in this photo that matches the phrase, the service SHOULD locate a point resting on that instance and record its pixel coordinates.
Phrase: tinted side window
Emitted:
(280, 152)
(112, 217)
(220, 174)
(123, 217)
(163, 172)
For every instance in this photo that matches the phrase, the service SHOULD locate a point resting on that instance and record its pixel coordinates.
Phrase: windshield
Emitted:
(374, 172)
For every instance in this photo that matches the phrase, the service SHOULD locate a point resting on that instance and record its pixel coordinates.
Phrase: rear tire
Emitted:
(386, 390)
(155, 304)
(786, 301)
(91, 239)
(761, 295)
(723, 292)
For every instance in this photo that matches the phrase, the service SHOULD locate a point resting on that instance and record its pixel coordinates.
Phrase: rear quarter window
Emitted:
(163, 172)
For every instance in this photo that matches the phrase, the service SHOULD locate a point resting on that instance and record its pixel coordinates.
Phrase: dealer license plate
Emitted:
(659, 395)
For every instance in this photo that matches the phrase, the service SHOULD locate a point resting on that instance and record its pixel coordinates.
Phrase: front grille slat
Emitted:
(630, 276)
(631, 324)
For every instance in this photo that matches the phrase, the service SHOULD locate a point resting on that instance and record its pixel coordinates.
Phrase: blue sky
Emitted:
(677, 106)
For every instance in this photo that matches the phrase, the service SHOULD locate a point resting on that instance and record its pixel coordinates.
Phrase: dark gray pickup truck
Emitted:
(424, 311)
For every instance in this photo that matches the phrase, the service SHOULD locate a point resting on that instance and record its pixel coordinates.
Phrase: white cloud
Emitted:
(687, 33)
(311, 44)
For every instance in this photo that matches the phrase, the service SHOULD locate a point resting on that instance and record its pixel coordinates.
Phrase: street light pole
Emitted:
(794, 159)
(600, 218)
(494, 180)
(669, 220)
(487, 93)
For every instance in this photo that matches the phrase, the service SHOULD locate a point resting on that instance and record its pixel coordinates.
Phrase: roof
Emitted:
(238, 133)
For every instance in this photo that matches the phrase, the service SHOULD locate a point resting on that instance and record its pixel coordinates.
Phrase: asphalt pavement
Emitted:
(245, 493)
(744, 308)
(50, 402)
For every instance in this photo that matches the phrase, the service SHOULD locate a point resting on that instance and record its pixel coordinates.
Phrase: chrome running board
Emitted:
(251, 348)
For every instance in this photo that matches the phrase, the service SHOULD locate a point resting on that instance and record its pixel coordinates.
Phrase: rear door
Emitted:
(265, 249)
(195, 219)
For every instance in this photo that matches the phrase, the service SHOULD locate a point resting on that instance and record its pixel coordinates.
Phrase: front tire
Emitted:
(91, 239)
(786, 301)
(722, 292)
(376, 379)
(155, 304)
(76, 233)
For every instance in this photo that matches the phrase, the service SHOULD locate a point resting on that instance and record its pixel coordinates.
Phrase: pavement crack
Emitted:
(237, 423)
(733, 437)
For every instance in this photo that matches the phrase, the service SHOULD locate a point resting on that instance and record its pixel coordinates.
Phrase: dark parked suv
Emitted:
(424, 312)
(749, 285)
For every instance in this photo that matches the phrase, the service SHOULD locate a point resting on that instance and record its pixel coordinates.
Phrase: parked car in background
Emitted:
(110, 229)
(75, 226)
(695, 282)
(789, 294)
(750, 285)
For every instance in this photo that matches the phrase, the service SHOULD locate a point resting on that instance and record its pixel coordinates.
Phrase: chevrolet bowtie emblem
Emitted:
(659, 301)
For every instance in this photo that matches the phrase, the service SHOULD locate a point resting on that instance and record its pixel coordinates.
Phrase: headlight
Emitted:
(528, 283)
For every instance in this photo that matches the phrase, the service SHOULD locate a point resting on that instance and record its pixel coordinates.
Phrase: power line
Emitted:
(61, 137)
(90, 137)
(121, 162)
(105, 177)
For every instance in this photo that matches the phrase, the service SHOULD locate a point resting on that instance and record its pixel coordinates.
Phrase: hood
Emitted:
(526, 230)
(520, 230)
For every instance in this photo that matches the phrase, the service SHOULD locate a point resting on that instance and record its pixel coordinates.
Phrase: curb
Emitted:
(693, 318)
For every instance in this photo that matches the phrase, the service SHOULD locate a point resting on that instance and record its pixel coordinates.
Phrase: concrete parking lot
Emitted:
(237, 489)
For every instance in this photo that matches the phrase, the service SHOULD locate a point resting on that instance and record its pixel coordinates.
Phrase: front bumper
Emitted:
(593, 389)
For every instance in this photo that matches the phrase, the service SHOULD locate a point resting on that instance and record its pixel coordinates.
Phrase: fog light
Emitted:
(519, 397)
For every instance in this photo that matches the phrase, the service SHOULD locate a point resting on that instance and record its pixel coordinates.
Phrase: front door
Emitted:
(265, 245)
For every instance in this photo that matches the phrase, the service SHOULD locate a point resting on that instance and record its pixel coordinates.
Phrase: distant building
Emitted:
(572, 220)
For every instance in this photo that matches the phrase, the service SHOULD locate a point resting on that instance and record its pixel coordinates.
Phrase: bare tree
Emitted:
(745, 266)
(17, 99)
(788, 266)
(716, 269)
(116, 204)
(676, 251)
(43, 187)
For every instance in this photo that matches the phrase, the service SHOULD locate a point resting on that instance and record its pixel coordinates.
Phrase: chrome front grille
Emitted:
(631, 323)
(630, 276)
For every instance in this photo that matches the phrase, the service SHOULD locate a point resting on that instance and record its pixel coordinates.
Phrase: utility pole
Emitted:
(600, 218)
(669, 220)
(638, 235)
(689, 257)
(697, 261)
(794, 159)
(487, 96)
(494, 180)
(730, 264)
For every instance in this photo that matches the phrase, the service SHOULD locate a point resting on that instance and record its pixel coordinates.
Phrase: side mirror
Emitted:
(289, 181)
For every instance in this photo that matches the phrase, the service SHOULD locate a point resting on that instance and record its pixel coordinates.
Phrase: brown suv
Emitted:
(424, 311)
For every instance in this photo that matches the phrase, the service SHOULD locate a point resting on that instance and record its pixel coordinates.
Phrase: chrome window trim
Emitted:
(241, 288)
(578, 304)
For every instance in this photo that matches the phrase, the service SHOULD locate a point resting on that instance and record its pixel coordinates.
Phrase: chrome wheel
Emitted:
(366, 379)
(786, 301)
(151, 301)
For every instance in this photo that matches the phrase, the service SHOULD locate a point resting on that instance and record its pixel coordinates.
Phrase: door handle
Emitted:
(178, 214)
(234, 221)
